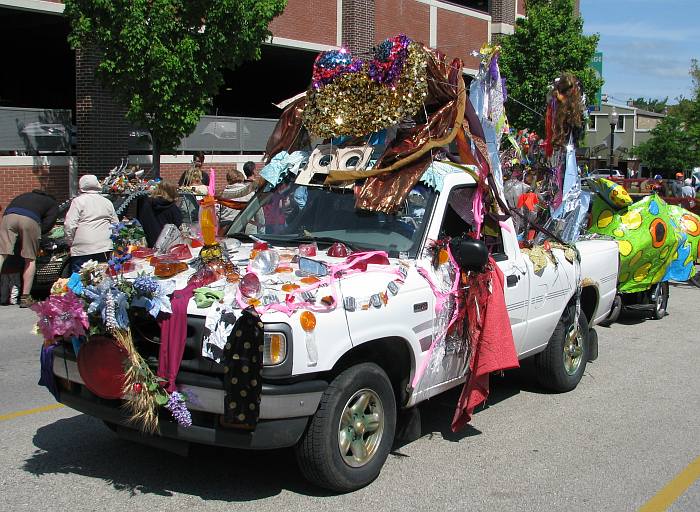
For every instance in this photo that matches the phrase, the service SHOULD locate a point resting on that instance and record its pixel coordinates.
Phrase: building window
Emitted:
(620, 124)
(592, 123)
(477, 5)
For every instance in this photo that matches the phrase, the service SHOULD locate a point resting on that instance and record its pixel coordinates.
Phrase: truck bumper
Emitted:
(284, 409)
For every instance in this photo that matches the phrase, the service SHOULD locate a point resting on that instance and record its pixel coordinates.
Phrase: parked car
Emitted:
(54, 254)
(338, 404)
(606, 173)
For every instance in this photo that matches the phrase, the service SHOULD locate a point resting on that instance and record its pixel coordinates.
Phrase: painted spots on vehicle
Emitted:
(641, 273)
(625, 247)
(632, 219)
(653, 207)
(635, 259)
(690, 224)
(605, 218)
(658, 230)
(618, 233)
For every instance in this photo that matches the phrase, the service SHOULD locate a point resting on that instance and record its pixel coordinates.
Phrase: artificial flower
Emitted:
(59, 286)
(109, 302)
(75, 283)
(61, 316)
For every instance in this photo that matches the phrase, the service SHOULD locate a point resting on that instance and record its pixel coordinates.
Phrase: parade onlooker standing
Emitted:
(26, 217)
(88, 224)
(159, 209)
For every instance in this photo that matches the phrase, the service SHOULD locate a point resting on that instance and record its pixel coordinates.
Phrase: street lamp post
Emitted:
(613, 117)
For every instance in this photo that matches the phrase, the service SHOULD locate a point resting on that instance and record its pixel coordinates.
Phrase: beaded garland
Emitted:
(344, 100)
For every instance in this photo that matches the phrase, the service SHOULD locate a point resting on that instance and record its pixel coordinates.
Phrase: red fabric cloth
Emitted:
(529, 200)
(494, 348)
(173, 334)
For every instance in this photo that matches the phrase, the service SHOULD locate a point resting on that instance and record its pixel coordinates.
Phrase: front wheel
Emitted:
(351, 434)
(561, 365)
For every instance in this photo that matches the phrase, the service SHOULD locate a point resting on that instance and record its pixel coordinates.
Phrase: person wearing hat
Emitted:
(88, 224)
(677, 185)
(26, 217)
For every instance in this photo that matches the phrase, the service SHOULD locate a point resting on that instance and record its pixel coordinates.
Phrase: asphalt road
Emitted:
(631, 426)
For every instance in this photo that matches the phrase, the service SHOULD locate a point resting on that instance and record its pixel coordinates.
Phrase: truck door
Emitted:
(503, 247)
(447, 363)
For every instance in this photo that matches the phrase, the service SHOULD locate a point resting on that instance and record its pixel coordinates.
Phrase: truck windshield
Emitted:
(292, 214)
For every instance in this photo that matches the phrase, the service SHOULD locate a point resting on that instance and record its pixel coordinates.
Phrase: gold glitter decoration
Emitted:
(354, 104)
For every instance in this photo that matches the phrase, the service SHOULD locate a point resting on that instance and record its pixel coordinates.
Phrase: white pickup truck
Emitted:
(340, 410)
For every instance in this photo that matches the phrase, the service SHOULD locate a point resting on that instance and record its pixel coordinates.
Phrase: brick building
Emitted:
(306, 27)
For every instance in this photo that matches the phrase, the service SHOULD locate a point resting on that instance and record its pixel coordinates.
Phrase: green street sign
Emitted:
(597, 65)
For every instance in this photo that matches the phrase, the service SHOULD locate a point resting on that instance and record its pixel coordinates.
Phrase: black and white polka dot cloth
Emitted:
(243, 363)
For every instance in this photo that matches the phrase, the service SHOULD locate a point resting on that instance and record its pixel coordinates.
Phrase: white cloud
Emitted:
(641, 30)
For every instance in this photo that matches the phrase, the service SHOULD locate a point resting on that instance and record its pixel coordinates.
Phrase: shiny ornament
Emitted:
(308, 321)
(250, 286)
(357, 104)
(137, 387)
(265, 261)
(338, 250)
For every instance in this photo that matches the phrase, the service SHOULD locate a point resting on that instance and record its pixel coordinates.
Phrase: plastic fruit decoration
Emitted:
(203, 277)
(250, 286)
(207, 220)
(308, 321)
(180, 252)
(310, 280)
(169, 268)
(338, 250)
(211, 253)
(289, 287)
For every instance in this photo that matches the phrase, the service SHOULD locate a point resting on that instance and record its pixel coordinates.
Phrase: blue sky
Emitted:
(647, 45)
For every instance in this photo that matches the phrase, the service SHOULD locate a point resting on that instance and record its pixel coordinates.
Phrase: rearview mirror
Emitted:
(470, 254)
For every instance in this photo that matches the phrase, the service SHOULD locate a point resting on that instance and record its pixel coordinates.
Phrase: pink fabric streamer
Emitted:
(212, 182)
(291, 305)
(440, 299)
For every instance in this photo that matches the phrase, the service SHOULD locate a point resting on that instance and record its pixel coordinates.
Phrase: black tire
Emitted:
(696, 278)
(555, 371)
(319, 451)
(615, 311)
(659, 298)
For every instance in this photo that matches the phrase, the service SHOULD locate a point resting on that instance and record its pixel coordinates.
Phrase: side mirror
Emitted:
(469, 254)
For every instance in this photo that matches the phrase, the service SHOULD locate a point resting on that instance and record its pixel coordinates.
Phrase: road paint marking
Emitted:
(674, 489)
(27, 412)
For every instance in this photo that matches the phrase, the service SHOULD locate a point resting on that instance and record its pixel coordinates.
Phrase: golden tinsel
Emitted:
(354, 104)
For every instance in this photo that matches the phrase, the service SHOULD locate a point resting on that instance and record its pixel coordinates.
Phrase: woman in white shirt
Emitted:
(88, 224)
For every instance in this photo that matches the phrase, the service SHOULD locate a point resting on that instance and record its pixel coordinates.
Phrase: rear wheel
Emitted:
(561, 366)
(659, 297)
(351, 434)
(696, 278)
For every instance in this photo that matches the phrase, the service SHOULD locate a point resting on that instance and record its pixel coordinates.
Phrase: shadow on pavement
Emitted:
(84, 446)
(435, 415)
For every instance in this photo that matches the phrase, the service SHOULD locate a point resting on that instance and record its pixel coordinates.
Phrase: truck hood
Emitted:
(359, 284)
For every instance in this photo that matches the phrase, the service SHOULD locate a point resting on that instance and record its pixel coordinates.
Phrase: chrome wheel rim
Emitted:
(659, 302)
(360, 428)
(573, 350)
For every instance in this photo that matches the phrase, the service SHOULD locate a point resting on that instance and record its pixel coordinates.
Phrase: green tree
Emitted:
(164, 59)
(548, 42)
(651, 104)
(675, 142)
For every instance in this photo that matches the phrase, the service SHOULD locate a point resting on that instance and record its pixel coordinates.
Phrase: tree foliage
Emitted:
(651, 104)
(675, 142)
(547, 43)
(164, 59)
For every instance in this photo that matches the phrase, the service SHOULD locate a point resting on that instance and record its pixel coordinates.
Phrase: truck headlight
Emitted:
(275, 348)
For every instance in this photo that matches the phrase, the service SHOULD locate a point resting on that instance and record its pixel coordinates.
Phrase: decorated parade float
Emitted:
(340, 269)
